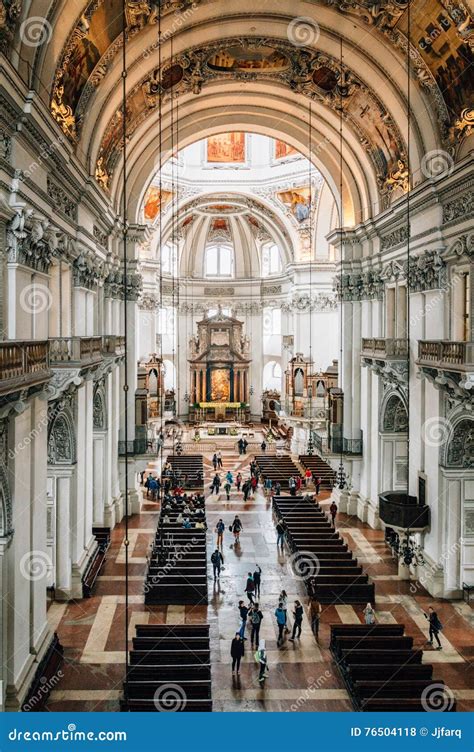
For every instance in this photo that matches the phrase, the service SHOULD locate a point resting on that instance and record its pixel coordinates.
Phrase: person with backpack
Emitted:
(333, 512)
(435, 627)
(236, 652)
(250, 587)
(236, 529)
(220, 527)
(257, 578)
(255, 618)
(262, 661)
(217, 561)
(298, 617)
(243, 613)
(280, 528)
(280, 615)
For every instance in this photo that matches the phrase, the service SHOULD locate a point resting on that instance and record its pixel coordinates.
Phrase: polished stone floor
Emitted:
(302, 674)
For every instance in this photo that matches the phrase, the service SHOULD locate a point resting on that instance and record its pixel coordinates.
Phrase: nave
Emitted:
(303, 675)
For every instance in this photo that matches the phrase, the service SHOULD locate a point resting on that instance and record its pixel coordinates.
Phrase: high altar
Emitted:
(219, 362)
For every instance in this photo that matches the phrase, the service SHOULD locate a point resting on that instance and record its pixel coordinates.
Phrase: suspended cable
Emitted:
(407, 324)
(341, 473)
(125, 321)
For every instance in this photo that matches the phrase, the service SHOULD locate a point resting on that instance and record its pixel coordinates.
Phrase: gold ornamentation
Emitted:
(101, 175)
(399, 178)
(464, 125)
(62, 113)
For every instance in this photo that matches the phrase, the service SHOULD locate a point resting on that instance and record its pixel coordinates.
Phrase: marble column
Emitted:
(100, 472)
(4, 599)
(63, 532)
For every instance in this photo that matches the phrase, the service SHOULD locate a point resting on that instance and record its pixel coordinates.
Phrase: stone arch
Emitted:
(459, 445)
(394, 415)
(61, 439)
(99, 410)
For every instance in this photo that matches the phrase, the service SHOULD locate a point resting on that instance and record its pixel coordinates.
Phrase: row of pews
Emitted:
(319, 552)
(278, 469)
(190, 465)
(169, 669)
(384, 672)
(177, 568)
(319, 468)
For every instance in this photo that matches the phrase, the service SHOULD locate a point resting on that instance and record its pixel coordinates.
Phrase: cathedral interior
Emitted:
(236, 240)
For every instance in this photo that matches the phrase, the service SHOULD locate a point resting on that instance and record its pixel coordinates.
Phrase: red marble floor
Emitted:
(302, 676)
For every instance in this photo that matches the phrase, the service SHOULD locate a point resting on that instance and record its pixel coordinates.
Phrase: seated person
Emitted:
(187, 523)
(179, 518)
(200, 525)
(166, 519)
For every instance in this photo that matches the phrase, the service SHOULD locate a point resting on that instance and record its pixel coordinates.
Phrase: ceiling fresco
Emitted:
(361, 108)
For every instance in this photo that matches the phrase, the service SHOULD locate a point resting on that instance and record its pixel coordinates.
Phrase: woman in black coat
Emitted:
(236, 651)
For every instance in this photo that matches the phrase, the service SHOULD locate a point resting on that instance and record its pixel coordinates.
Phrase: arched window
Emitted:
(271, 259)
(272, 375)
(169, 259)
(219, 261)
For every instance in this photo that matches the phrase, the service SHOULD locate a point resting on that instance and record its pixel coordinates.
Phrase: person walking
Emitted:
(250, 587)
(236, 528)
(333, 513)
(217, 561)
(257, 578)
(280, 615)
(227, 489)
(238, 481)
(253, 484)
(298, 482)
(255, 618)
(219, 460)
(245, 445)
(236, 652)
(243, 613)
(298, 619)
(262, 660)
(268, 486)
(263, 445)
(318, 484)
(435, 627)
(277, 488)
(246, 490)
(216, 484)
(220, 527)
(214, 461)
(369, 614)
(280, 528)
(292, 486)
(283, 599)
(315, 616)
(240, 444)
(308, 476)
(229, 477)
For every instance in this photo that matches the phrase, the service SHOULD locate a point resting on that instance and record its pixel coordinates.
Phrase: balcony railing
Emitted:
(445, 354)
(81, 350)
(383, 349)
(113, 345)
(23, 363)
(336, 444)
(139, 446)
